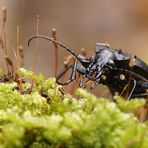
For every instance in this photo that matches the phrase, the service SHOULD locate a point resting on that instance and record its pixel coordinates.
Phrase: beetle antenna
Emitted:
(54, 41)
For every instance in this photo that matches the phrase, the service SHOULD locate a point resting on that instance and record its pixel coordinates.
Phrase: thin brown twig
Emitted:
(10, 63)
(1, 43)
(15, 54)
(4, 16)
(37, 43)
(21, 55)
(56, 50)
(3, 39)
(144, 111)
(104, 92)
(5, 51)
(36, 50)
(18, 58)
(17, 44)
(2, 35)
(2, 29)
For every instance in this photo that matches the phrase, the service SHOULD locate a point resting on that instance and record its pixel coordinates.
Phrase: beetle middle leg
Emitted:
(128, 89)
(141, 89)
(133, 82)
(135, 89)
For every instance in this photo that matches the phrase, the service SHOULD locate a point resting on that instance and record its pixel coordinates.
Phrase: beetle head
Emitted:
(104, 55)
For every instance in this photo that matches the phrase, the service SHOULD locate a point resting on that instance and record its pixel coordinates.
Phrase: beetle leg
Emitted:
(62, 73)
(73, 75)
(75, 68)
(125, 87)
(87, 82)
(140, 95)
(95, 84)
(82, 80)
(86, 74)
(140, 90)
(132, 90)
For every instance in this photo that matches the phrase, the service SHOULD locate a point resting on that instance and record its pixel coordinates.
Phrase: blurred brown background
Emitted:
(79, 23)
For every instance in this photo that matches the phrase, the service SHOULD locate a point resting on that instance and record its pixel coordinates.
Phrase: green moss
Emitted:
(55, 120)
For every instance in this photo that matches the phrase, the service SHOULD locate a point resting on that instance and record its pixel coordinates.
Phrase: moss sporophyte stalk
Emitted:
(45, 117)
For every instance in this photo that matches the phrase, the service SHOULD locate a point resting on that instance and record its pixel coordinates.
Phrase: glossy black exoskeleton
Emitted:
(118, 70)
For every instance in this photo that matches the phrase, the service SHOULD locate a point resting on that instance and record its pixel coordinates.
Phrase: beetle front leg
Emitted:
(73, 75)
(62, 74)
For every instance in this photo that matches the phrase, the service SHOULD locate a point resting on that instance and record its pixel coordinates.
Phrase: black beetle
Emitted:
(120, 71)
